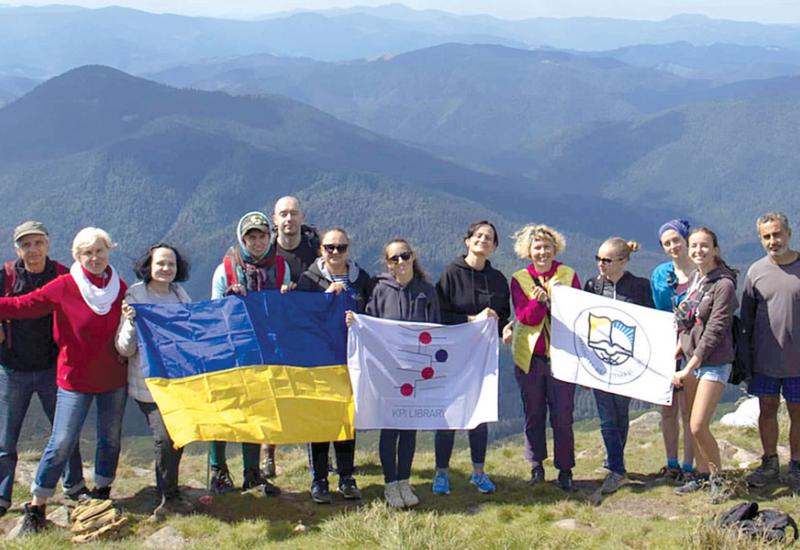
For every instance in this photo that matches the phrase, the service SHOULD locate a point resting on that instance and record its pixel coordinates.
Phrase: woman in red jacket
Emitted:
(86, 307)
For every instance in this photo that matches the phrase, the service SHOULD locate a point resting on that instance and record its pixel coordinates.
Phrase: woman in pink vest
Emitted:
(540, 392)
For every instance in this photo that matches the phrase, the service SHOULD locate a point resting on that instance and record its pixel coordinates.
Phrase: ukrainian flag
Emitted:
(263, 368)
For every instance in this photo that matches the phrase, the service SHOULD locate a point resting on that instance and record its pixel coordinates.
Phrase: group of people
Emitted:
(69, 336)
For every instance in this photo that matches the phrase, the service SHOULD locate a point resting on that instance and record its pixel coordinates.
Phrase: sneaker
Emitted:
(612, 483)
(768, 472)
(100, 493)
(670, 473)
(483, 483)
(349, 489)
(254, 478)
(33, 519)
(719, 490)
(173, 506)
(692, 485)
(81, 495)
(441, 483)
(320, 492)
(537, 475)
(221, 481)
(391, 492)
(565, 480)
(407, 493)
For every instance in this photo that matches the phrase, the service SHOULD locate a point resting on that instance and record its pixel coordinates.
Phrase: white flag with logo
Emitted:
(422, 376)
(611, 345)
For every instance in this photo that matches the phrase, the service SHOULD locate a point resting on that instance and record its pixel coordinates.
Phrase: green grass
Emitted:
(644, 514)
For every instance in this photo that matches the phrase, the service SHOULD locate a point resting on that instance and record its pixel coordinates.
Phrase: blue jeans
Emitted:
(16, 391)
(396, 449)
(71, 410)
(613, 412)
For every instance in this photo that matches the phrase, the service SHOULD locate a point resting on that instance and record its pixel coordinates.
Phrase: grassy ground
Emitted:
(644, 514)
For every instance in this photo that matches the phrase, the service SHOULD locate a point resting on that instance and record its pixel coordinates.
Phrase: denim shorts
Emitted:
(764, 386)
(713, 373)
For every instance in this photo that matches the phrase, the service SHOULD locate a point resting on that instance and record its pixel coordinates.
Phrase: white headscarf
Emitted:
(99, 300)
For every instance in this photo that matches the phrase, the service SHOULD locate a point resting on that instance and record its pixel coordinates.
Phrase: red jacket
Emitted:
(87, 359)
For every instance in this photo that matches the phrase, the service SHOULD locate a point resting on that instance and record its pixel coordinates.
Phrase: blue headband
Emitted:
(678, 225)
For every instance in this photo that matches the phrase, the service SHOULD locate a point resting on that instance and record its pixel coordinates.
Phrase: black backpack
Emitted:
(766, 524)
(742, 370)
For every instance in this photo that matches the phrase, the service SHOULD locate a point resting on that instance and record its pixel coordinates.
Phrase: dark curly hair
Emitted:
(142, 266)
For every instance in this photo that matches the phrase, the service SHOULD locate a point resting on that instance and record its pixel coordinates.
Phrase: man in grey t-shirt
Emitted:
(771, 325)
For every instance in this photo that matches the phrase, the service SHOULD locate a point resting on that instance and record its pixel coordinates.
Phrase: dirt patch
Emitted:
(643, 507)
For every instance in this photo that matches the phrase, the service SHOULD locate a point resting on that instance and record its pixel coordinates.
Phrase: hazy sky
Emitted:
(785, 11)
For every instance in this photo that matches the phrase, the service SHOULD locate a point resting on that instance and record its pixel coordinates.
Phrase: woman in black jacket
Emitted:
(618, 284)
(335, 272)
(471, 289)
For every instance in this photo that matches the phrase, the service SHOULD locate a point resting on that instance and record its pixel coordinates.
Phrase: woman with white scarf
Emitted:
(86, 307)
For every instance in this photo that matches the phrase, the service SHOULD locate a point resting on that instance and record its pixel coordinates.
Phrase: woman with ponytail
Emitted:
(402, 294)
(250, 265)
(615, 282)
(705, 345)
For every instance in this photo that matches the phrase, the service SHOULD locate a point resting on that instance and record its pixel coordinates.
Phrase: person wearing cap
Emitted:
(86, 305)
(669, 282)
(28, 356)
(250, 265)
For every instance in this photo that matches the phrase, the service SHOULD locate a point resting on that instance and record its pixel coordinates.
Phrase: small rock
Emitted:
(142, 472)
(648, 421)
(673, 518)
(60, 517)
(731, 453)
(745, 415)
(568, 524)
(167, 538)
(14, 532)
(195, 484)
(300, 528)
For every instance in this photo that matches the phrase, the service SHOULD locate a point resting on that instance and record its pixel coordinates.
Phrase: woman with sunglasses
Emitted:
(160, 271)
(670, 280)
(705, 344)
(402, 294)
(615, 282)
(530, 347)
(335, 272)
(469, 289)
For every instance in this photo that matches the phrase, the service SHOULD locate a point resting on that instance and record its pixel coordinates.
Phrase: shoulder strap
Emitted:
(280, 270)
(10, 277)
(230, 271)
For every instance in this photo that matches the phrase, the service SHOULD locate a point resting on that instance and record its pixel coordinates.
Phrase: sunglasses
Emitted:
(331, 248)
(606, 261)
(405, 256)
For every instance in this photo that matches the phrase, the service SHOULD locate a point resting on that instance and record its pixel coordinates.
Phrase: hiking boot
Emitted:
(768, 472)
(692, 485)
(612, 483)
(537, 475)
(793, 476)
(349, 489)
(33, 519)
(391, 492)
(483, 483)
(670, 473)
(254, 478)
(100, 493)
(320, 492)
(565, 480)
(441, 483)
(719, 490)
(407, 493)
(173, 506)
(81, 495)
(221, 481)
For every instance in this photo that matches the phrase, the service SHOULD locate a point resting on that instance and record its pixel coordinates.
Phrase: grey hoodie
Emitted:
(417, 301)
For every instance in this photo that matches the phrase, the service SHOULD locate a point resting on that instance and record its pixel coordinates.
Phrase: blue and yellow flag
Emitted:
(264, 368)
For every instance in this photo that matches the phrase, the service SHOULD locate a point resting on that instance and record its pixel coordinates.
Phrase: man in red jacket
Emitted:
(28, 358)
